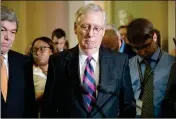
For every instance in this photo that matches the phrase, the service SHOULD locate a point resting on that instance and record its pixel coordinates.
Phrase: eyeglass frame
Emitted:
(88, 28)
(41, 49)
(146, 46)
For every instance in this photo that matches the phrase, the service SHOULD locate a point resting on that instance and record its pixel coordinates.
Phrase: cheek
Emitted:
(12, 38)
(99, 40)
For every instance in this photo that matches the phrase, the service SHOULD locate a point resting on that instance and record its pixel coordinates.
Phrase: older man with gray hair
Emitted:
(89, 80)
(17, 90)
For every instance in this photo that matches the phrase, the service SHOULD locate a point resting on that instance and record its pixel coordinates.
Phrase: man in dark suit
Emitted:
(169, 103)
(88, 80)
(17, 90)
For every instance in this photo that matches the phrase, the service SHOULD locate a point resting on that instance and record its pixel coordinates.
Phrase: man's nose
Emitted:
(90, 32)
(6, 35)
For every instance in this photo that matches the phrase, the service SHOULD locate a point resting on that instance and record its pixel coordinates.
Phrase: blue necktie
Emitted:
(89, 85)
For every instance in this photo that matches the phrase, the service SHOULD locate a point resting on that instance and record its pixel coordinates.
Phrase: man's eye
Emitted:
(96, 28)
(13, 32)
(85, 26)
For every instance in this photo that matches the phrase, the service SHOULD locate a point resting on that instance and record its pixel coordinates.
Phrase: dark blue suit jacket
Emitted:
(63, 94)
(168, 108)
(20, 97)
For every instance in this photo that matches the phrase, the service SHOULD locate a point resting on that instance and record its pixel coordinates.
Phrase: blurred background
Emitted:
(40, 18)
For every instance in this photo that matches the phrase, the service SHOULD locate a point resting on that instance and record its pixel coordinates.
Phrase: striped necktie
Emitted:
(89, 85)
(4, 81)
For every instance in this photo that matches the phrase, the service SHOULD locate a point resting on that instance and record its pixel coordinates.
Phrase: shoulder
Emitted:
(13, 55)
(167, 57)
(133, 61)
(61, 55)
(113, 54)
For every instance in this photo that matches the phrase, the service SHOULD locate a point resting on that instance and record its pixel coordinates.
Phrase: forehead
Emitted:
(39, 43)
(9, 25)
(55, 39)
(148, 41)
(93, 18)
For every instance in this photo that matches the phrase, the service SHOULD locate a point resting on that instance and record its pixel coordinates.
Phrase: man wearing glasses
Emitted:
(88, 80)
(149, 69)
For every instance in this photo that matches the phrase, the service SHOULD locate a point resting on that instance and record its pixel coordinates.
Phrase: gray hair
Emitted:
(113, 27)
(91, 7)
(8, 15)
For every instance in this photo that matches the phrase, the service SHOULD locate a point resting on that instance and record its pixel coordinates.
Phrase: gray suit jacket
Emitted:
(63, 94)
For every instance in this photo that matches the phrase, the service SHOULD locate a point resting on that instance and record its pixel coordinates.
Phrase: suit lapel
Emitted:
(15, 97)
(106, 78)
(74, 75)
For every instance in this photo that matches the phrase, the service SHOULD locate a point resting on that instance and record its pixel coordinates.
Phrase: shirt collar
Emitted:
(84, 56)
(153, 58)
(122, 46)
(5, 56)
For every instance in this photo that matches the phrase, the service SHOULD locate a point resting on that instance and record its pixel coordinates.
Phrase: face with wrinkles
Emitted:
(8, 33)
(90, 31)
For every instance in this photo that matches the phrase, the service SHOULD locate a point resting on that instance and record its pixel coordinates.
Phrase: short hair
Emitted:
(59, 33)
(110, 39)
(121, 27)
(158, 42)
(139, 30)
(8, 15)
(91, 7)
(114, 28)
(46, 40)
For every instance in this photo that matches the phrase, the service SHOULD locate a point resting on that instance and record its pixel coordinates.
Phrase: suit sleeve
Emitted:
(30, 108)
(168, 108)
(47, 102)
(127, 101)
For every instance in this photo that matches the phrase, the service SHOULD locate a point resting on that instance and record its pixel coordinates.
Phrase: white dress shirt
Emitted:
(94, 63)
(39, 79)
(6, 63)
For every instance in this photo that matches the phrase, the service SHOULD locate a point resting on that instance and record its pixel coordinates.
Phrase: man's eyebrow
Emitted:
(3, 27)
(10, 29)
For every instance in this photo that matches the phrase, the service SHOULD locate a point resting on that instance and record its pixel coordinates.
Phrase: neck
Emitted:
(44, 68)
(88, 52)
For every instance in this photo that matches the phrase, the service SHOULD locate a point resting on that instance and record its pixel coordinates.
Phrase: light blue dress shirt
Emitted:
(161, 75)
(122, 46)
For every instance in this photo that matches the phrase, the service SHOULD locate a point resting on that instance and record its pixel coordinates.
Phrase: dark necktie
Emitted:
(147, 98)
(89, 85)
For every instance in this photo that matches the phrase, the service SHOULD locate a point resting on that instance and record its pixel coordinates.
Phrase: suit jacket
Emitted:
(20, 101)
(169, 102)
(63, 94)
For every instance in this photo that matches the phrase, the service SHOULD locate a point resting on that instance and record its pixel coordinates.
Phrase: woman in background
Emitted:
(41, 50)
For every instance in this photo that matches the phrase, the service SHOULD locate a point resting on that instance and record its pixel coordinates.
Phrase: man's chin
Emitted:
(4, 50)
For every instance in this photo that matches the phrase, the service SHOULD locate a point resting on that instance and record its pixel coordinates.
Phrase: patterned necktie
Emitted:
(3, 78)
(147, 98)
(89, 85)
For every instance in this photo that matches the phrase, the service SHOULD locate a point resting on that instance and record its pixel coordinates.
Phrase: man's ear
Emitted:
(75, 27)
(104, 29)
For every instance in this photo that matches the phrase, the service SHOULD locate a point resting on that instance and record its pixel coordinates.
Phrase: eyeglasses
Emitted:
(41, 49)
(87, 27)
(146, 46)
